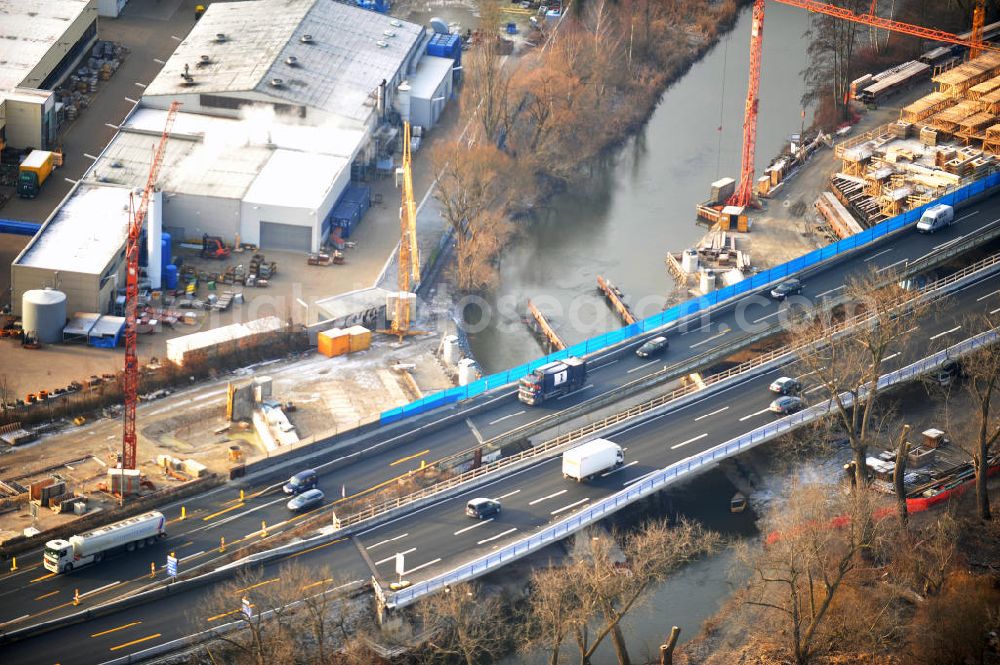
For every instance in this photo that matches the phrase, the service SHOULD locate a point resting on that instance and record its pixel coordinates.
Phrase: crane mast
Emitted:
(409, 261)
(130, 377)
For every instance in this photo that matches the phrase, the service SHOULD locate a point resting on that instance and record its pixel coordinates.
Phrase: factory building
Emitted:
(41, 42)
(282, 102)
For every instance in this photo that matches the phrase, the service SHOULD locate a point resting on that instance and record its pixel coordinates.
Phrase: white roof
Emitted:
(350, 52)
(28, 29)
(84, 233)
(431, 70)
(178, 346)
(296, 179)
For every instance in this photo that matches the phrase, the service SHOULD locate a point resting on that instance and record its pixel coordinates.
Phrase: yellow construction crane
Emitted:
(409, 257)
(978, 19)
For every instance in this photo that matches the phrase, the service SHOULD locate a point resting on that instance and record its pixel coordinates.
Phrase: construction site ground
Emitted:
(789, 225)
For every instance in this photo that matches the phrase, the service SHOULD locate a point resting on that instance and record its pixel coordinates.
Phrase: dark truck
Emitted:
(552, 380)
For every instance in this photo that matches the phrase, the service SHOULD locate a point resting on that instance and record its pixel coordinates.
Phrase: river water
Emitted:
(639, 206)
(620, 225)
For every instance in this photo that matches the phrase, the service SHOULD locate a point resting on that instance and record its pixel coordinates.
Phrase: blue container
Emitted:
(170, 277)
(359, 193)
(512, 28)
(166, 248)
(346, 215)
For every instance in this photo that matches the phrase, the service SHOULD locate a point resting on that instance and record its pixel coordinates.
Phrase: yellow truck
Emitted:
(34, 170)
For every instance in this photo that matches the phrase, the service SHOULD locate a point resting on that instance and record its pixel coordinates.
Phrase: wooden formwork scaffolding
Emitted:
(949, 119)
(926, 106)
(980, 90)
(992, 140)
(957, 81)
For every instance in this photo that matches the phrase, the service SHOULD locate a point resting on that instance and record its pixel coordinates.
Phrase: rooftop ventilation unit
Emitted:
(306, 39)
(396, 24)
(277, 83)
(205, 60)
(382, 44)
(220, 37)
(292, 61)
(389, 33)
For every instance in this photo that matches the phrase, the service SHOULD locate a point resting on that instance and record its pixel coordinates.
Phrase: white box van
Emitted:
(936, 217)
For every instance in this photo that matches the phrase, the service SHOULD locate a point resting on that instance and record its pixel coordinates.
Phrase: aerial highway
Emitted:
(32, 594)
(439, 537)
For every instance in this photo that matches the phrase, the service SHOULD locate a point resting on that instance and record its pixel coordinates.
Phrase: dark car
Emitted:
(785, 405)
(482, 508)
(306, 500)
(300, 482)
(787, 288)
(785, 385)
(652, 347)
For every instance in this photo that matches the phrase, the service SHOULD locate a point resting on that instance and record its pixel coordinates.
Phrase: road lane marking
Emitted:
(258, 584)
(569, 507)
(829, 291)
(225, 510)
(945, 244)
(492, 538)
(504, 496)
(893, 265)
(409, 457)
(709, 339)
(946, 332)
(112, 630)
(469, 528)
(46, 595)
(309, 586)
(423, 565)
(509, 415)
(636, 369)
(608, 473)
(988, 295)
(190, 542)
(43, 577)
(994, 311)
(966, 216)
(387, 540)
(815, 388)
(890, 357)
(884, 251)
(589, 385)
(751, 415)
(138, 641)
(219, 616)
(766, 316)
(551, 496)
(706, 415)
(390, 558)
(684, 443)
(318, 547)
(802, 376)
(101, 588)
(191, 556)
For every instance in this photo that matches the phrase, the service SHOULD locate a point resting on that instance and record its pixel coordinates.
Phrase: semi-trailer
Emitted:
(552, 380)
(62, 556)
(591, 458)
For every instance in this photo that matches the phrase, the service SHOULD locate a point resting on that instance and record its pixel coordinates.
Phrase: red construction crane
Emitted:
(130, 379)
(743, 195)
(978, 19)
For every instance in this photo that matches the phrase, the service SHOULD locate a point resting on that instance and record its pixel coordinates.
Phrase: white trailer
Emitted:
(591, 459)
(62, 556)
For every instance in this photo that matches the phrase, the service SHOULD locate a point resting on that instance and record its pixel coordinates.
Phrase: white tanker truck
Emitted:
(62, 556)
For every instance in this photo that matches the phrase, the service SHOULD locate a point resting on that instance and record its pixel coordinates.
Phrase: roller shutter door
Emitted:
(285, 236)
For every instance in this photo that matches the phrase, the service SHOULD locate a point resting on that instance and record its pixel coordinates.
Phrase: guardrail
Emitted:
(660, 479)
(689, 307)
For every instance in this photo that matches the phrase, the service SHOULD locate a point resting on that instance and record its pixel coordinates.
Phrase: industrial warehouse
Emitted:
(280, 111)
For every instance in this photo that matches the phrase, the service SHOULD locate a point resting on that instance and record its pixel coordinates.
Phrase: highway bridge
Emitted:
(438, 537)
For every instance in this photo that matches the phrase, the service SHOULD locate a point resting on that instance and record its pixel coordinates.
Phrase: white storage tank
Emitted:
(466, 371)
(707, 281)
(403, 101)
(689, 261)
(43, 314)
(450, 352)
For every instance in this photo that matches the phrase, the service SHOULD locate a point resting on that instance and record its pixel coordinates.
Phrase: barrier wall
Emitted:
(686, 308)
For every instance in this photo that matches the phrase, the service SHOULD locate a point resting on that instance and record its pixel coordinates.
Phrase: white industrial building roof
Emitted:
(431, 70)
(178, 346)
(296, 179)
(28, 29)
(84, 233)
(341, 54)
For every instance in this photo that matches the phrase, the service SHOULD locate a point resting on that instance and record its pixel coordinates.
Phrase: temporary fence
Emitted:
(656, 481)
(688, 307)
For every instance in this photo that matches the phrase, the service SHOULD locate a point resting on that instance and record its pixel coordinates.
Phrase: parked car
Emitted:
(785, 385)
(947, 373)
(787, 288)
(481, 508)
(306, 500)
(786, 404)
(300, 482)
(652, 347)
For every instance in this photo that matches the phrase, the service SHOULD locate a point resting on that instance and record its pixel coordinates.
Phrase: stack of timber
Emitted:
(837, 216)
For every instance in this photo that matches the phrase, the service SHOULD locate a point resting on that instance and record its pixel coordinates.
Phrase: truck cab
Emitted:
(552, 380)
(58, 553)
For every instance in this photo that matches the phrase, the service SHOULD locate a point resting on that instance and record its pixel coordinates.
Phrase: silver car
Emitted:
(308, 499)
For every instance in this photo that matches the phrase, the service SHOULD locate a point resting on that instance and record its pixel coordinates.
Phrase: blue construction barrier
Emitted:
(14, 227)
(686, 308)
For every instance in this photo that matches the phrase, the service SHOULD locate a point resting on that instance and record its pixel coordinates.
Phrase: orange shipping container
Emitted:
(332, 342)
(360, 338)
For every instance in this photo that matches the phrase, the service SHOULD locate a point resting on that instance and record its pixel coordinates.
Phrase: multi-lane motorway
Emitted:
(531, 498)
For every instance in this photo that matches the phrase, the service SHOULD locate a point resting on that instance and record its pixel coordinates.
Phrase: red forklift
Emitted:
(212, 247)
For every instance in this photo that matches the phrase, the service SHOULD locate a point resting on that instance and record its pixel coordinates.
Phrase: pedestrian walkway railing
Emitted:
(687, 308)
(656, 481)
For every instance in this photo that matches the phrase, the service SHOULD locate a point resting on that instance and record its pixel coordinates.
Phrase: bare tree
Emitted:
(487, 83)
(899, 476)
(848, 363)
(467, 623)
(554, 608)
(982, 383)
